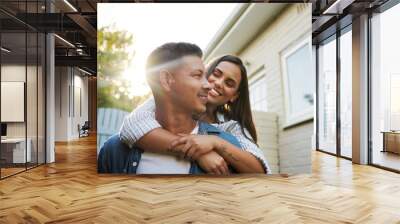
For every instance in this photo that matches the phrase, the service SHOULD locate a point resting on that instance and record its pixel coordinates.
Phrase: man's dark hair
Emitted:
(169, 52)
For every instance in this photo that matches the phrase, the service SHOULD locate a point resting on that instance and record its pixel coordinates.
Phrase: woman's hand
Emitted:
(213, 163)
(194, 146)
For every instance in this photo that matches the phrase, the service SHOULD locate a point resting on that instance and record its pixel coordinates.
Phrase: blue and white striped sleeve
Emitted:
(138, 123)
(234, 128)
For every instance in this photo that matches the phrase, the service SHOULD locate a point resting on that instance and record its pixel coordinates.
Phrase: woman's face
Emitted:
(225, 81)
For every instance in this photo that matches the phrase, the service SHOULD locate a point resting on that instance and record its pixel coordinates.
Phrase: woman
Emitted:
(228, 108)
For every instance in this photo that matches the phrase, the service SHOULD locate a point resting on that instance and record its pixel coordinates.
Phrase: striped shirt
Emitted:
(142, 120)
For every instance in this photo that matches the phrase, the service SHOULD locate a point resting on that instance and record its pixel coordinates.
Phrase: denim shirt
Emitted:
(117, 157)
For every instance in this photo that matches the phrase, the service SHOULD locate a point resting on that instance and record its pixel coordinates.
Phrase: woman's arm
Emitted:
(138, 123)
(194, 146)
(234, 128)
(242, 161)
(140, 128)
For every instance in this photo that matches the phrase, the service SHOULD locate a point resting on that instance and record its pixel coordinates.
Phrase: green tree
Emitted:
(113, 57)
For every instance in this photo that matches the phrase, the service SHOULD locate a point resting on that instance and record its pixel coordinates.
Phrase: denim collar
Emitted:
(206, 128)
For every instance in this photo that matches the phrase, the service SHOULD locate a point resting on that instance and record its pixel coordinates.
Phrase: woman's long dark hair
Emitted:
(239, 110)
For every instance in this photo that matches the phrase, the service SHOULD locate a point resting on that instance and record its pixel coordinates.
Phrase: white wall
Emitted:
(61, 103)
(80, 89)
(69, 85)
(33, 127)
(267, 130)
(17, 73)
(14, 73)
(294, 143)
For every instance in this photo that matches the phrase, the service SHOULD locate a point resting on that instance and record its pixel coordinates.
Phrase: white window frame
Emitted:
(308, 113)
(255, 77)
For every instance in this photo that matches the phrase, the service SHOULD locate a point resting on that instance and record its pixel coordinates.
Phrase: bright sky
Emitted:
(154, 24)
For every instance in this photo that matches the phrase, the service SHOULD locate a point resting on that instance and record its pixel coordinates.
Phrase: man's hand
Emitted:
(213, 163)
(194, 146)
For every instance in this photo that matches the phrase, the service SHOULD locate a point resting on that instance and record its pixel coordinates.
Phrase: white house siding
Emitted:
(292, 25)
(267, 130)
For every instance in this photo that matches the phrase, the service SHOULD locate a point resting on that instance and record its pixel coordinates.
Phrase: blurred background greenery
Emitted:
(115, 51)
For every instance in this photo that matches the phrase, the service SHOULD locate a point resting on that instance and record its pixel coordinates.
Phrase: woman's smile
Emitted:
(214, 93)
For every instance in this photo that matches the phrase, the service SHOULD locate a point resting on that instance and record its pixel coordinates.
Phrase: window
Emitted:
(258, 93)
(299, 82)
(327, 96)
(385, 88)
(22, 65)
(394, 101)
(346, 93)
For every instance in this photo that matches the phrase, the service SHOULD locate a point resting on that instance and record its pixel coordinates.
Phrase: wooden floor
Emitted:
(10, 171)
(387, 159)
(70, 191)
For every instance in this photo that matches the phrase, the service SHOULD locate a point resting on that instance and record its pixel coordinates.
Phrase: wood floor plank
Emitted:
(71, 191)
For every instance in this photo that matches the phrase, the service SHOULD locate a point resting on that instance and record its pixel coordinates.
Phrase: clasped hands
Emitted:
(201, 148)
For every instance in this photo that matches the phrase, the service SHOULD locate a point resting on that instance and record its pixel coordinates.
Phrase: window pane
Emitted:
(327, 96)
(31, 97)
(41, 99)
(300, 79)
(386, 89)
(13, 82)
(346, 94)
(258, 95)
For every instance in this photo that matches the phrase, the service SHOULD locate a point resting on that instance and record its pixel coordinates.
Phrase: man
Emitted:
(176, 76)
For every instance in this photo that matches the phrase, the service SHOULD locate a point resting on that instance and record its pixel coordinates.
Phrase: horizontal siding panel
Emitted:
(272, 145)
(267, 130)
(296, 169)
(288, 138)
(271, 155)
(294, 143)
(301, 158)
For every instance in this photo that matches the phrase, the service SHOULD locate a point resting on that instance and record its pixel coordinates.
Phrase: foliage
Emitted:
(113, 57)
(106, 93)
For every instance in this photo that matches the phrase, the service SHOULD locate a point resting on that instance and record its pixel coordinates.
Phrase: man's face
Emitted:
(190, 87)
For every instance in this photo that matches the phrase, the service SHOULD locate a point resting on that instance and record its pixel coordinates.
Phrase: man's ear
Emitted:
(166, 80)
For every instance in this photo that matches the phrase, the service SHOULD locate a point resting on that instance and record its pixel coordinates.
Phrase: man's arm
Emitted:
(140, 128)
(213, 163)
(198, 145)
(158, 141)
(234, 128)
(242, 161)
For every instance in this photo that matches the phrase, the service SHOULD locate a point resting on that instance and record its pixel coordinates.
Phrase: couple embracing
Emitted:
(198, 122)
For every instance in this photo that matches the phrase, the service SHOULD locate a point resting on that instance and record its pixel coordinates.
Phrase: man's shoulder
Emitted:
(112, 140)
(115, 142)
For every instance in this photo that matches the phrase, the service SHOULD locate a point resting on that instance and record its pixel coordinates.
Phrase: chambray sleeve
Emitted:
(138, 123)
(234, 128)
